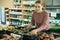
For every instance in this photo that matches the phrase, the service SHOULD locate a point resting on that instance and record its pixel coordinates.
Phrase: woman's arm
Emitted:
(32, 21)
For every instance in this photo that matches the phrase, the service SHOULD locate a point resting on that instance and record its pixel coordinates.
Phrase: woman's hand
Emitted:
(34, 32)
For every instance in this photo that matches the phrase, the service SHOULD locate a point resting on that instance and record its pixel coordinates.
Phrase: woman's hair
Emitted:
(38, 1)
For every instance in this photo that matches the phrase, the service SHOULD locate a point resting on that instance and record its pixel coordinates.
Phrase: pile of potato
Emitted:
(7, 28)
(46, 36)
(10, 37)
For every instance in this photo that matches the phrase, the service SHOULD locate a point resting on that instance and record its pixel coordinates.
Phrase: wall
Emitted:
(7, 3)
(53, 2)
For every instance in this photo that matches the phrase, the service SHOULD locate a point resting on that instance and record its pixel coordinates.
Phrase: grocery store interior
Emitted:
(16, 16)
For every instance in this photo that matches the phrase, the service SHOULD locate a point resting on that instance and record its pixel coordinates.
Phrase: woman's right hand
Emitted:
(29, 26)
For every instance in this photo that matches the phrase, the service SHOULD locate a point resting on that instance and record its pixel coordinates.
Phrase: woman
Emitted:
(40, 17)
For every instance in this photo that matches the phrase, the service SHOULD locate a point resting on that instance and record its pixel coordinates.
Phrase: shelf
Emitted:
(28, 2)
(21, 19)
(52, 7)
(56, 27)
(16, 13)
(23, 25)
(7, 18)
(14, 18)
(6, 10)
(7, 14)
(28, 9)
(17, 3)
(16, 8)
(27, 14)
(55, 19)
(27, 19)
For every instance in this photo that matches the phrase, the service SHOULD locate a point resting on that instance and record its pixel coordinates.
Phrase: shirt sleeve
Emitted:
(45, 24)
(32, 20)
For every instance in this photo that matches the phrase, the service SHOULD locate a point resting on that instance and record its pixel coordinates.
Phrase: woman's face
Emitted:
(38, 7)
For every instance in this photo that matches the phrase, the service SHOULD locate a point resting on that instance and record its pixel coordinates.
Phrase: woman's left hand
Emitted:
(34, 32)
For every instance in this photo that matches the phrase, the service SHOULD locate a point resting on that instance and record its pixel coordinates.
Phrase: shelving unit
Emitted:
(28, 8)
(16, 13)
(24, 9)
(7, 11)
(4, 15)
(53, 8)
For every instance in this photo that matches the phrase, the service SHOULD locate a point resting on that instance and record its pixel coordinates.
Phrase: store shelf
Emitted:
(17, 3)
(7, 11)
(27, 19)
(28, 9)
(16, 8)
(7, 18)
(53, 7)
(14, 18)
(27, 14)
(17, 13)
(58, 27)
(28, 2)
(7, 14)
